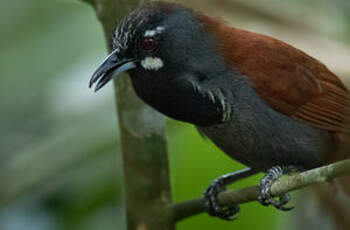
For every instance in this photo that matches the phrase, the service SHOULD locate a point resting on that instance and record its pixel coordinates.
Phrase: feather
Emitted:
(286, 78)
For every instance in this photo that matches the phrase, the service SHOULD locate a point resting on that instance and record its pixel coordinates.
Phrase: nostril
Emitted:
(119, 54)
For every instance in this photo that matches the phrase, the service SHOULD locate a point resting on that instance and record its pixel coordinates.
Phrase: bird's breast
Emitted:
(178, 100)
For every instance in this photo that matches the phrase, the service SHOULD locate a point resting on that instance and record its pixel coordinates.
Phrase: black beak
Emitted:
(111, 67)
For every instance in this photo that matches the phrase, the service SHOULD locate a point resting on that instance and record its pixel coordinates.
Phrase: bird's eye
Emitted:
(148, 44)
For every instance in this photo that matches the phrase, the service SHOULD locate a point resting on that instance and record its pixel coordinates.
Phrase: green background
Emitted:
(60, 165)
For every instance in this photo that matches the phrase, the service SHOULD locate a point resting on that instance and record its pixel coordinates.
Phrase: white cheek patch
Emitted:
(152, 63)
(151, 33)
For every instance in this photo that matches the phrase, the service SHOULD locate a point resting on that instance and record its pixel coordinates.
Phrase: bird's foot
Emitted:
(265, 197)
(211, 203)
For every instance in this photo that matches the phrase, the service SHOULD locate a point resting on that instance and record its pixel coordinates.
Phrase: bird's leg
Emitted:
(219, 185)
(266, 182)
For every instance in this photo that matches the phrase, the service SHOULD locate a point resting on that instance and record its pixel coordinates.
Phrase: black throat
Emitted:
(179, 96)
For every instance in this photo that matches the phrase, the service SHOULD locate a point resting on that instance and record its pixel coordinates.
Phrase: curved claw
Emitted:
(280, 204)
(212, 206)
(265, 184)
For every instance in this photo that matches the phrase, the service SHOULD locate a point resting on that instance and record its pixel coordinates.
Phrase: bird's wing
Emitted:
(293, 83)
(289, 80)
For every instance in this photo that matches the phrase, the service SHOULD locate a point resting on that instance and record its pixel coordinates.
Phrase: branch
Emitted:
(286, 184)
(142, 131)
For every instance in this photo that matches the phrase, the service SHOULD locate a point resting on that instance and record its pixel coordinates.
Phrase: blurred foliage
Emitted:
(59, 150)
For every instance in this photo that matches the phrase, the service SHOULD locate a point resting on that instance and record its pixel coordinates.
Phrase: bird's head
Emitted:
(157, 38)
(174, 62)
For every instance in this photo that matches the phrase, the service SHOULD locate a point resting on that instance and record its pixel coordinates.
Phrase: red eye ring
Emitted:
(148, 43)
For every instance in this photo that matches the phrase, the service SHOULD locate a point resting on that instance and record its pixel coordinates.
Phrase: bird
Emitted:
(263, 102)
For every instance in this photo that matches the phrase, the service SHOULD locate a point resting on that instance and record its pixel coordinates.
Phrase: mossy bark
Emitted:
(142, 132)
